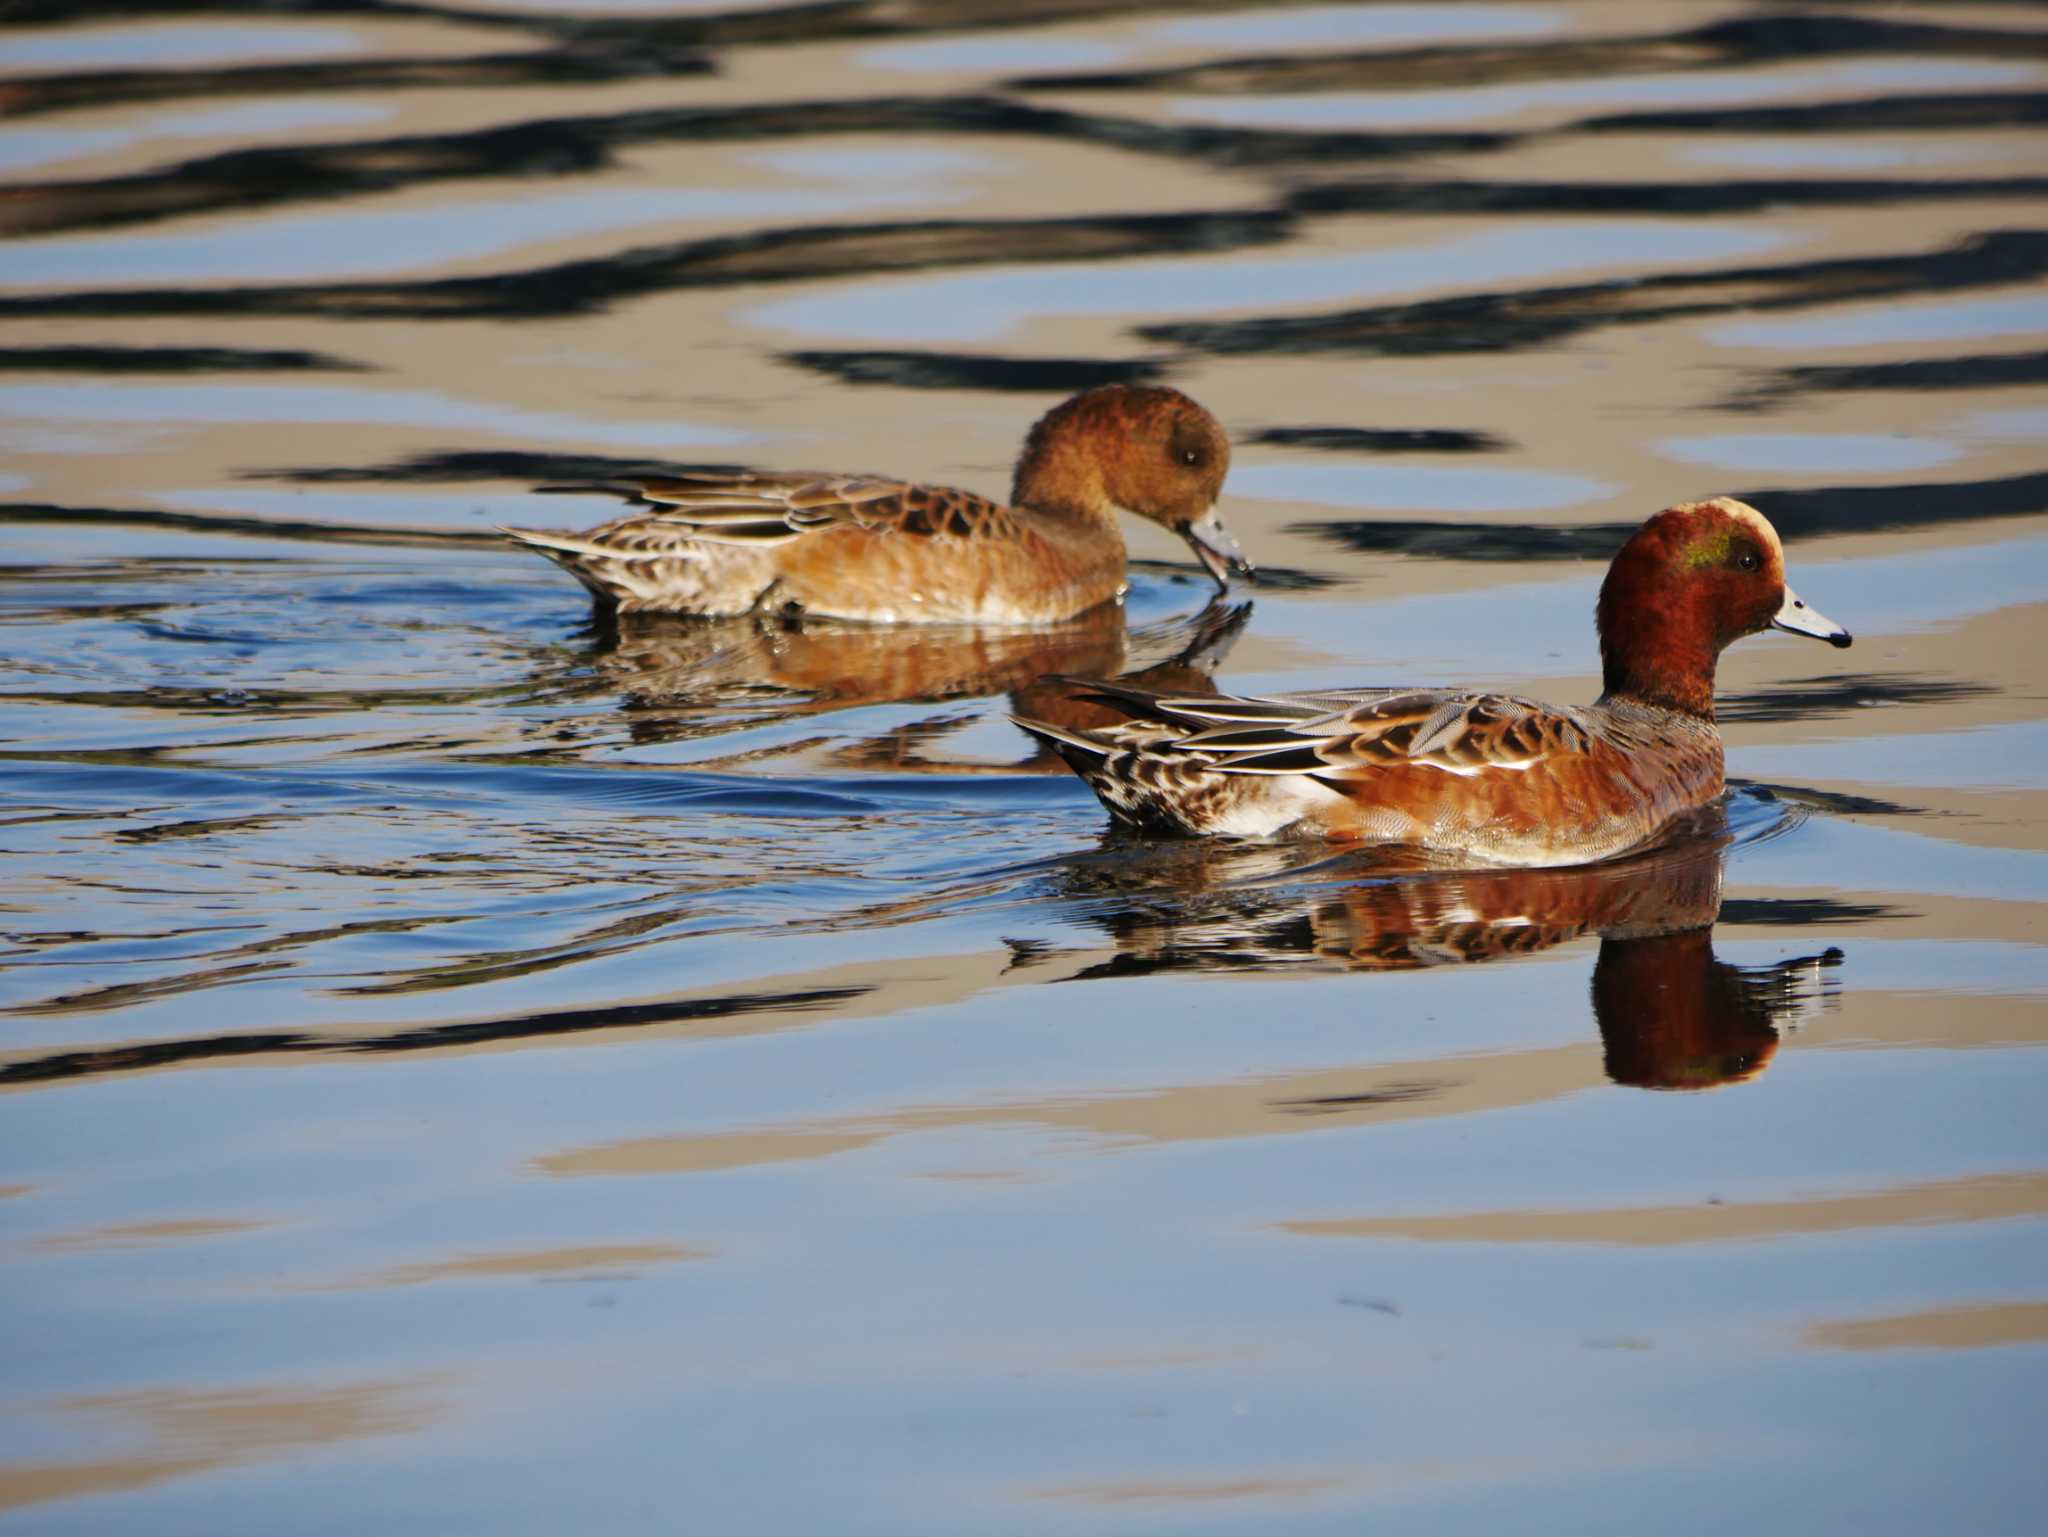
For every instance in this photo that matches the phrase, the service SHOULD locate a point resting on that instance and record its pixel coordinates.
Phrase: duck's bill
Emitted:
(1215, 549)
(1794, 615)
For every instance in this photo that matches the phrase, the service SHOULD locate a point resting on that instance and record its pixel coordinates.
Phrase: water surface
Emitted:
(470, 1067)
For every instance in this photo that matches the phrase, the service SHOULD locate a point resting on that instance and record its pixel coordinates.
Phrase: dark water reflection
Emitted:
(1670, 1013)
(665, 670)
(584, 1073)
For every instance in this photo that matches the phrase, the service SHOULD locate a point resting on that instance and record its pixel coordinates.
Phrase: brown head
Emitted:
(1693, 579)
(1141, 448)
(1673, 1017)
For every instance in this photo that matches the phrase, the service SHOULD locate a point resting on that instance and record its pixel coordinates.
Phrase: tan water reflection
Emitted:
(1984, 1327)
(187, 1431)
(587, 1262)
(1991, 1198)
(131, 1235)
(1201, 1112)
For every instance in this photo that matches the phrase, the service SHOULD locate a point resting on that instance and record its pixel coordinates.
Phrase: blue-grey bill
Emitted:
(1794, 615)
(1215, 549)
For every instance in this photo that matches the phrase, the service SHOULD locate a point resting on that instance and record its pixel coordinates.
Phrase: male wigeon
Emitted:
(1487, 778)
(886, 551)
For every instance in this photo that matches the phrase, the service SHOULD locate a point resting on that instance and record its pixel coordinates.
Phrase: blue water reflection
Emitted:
(988, 306)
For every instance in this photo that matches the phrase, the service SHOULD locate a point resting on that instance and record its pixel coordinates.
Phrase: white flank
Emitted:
(1280, 804)
(1466, 772)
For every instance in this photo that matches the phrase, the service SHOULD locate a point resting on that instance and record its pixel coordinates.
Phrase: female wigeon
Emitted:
(885, 551)
(1484, 777)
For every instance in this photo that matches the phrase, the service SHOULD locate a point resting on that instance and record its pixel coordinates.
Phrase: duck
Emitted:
(1466, 777)
(871, 549)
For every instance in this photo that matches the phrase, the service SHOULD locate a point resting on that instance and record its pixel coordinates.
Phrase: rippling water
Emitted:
(473, 1068)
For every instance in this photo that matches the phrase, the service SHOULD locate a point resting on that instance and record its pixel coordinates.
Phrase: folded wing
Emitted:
(1350, 733)
(762, 509)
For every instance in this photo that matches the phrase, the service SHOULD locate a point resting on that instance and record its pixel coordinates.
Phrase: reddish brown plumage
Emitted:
(1490, 777)
(870, 548)
(1679, 593)
(1144, 448)
(1672, 1016)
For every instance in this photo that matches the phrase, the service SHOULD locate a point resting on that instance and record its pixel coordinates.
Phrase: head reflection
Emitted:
(1673, 1017)
(1671, 1014)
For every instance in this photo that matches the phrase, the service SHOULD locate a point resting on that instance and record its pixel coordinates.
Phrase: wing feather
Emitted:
(1350, 733)
(750, 508)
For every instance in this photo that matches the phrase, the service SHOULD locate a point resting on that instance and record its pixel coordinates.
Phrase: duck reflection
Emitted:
(679, 677)
(1671, 1014)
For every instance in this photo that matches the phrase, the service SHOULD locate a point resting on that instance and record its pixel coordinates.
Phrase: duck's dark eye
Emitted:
(1191, 456)
(1747, 560)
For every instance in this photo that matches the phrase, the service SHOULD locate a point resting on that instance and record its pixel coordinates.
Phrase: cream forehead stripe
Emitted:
(1743, 513)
